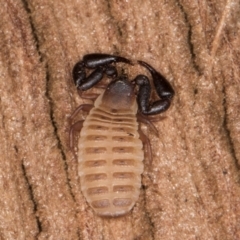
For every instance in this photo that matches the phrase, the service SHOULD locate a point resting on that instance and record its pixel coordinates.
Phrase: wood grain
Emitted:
(192, 188)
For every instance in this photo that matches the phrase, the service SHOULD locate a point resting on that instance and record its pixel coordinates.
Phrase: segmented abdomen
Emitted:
(110, 156)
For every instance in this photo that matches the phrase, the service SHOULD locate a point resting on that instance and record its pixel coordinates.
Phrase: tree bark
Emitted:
(191, 190)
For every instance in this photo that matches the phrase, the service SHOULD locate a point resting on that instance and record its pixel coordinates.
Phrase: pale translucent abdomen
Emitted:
(110, 158)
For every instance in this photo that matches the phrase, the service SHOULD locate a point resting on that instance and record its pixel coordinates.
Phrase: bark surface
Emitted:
(191, 190)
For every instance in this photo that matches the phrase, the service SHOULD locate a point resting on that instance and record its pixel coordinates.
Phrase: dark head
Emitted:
(119, 94)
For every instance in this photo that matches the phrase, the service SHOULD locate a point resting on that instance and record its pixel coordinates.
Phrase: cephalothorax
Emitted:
(110, 147)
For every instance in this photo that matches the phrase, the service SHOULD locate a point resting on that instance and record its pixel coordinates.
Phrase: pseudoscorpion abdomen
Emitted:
(110, 148)
(110, 161)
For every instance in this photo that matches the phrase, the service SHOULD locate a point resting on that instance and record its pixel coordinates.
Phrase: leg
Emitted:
(83, 107)
(155, 118)
(163, 89)
(143, 119)
(91, 96)
(146, 143)
(76, 127)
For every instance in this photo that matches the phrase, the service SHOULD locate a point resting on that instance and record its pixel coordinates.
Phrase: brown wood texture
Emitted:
(192, 188)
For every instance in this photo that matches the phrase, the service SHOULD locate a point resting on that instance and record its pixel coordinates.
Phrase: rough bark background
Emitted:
(192, 188)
